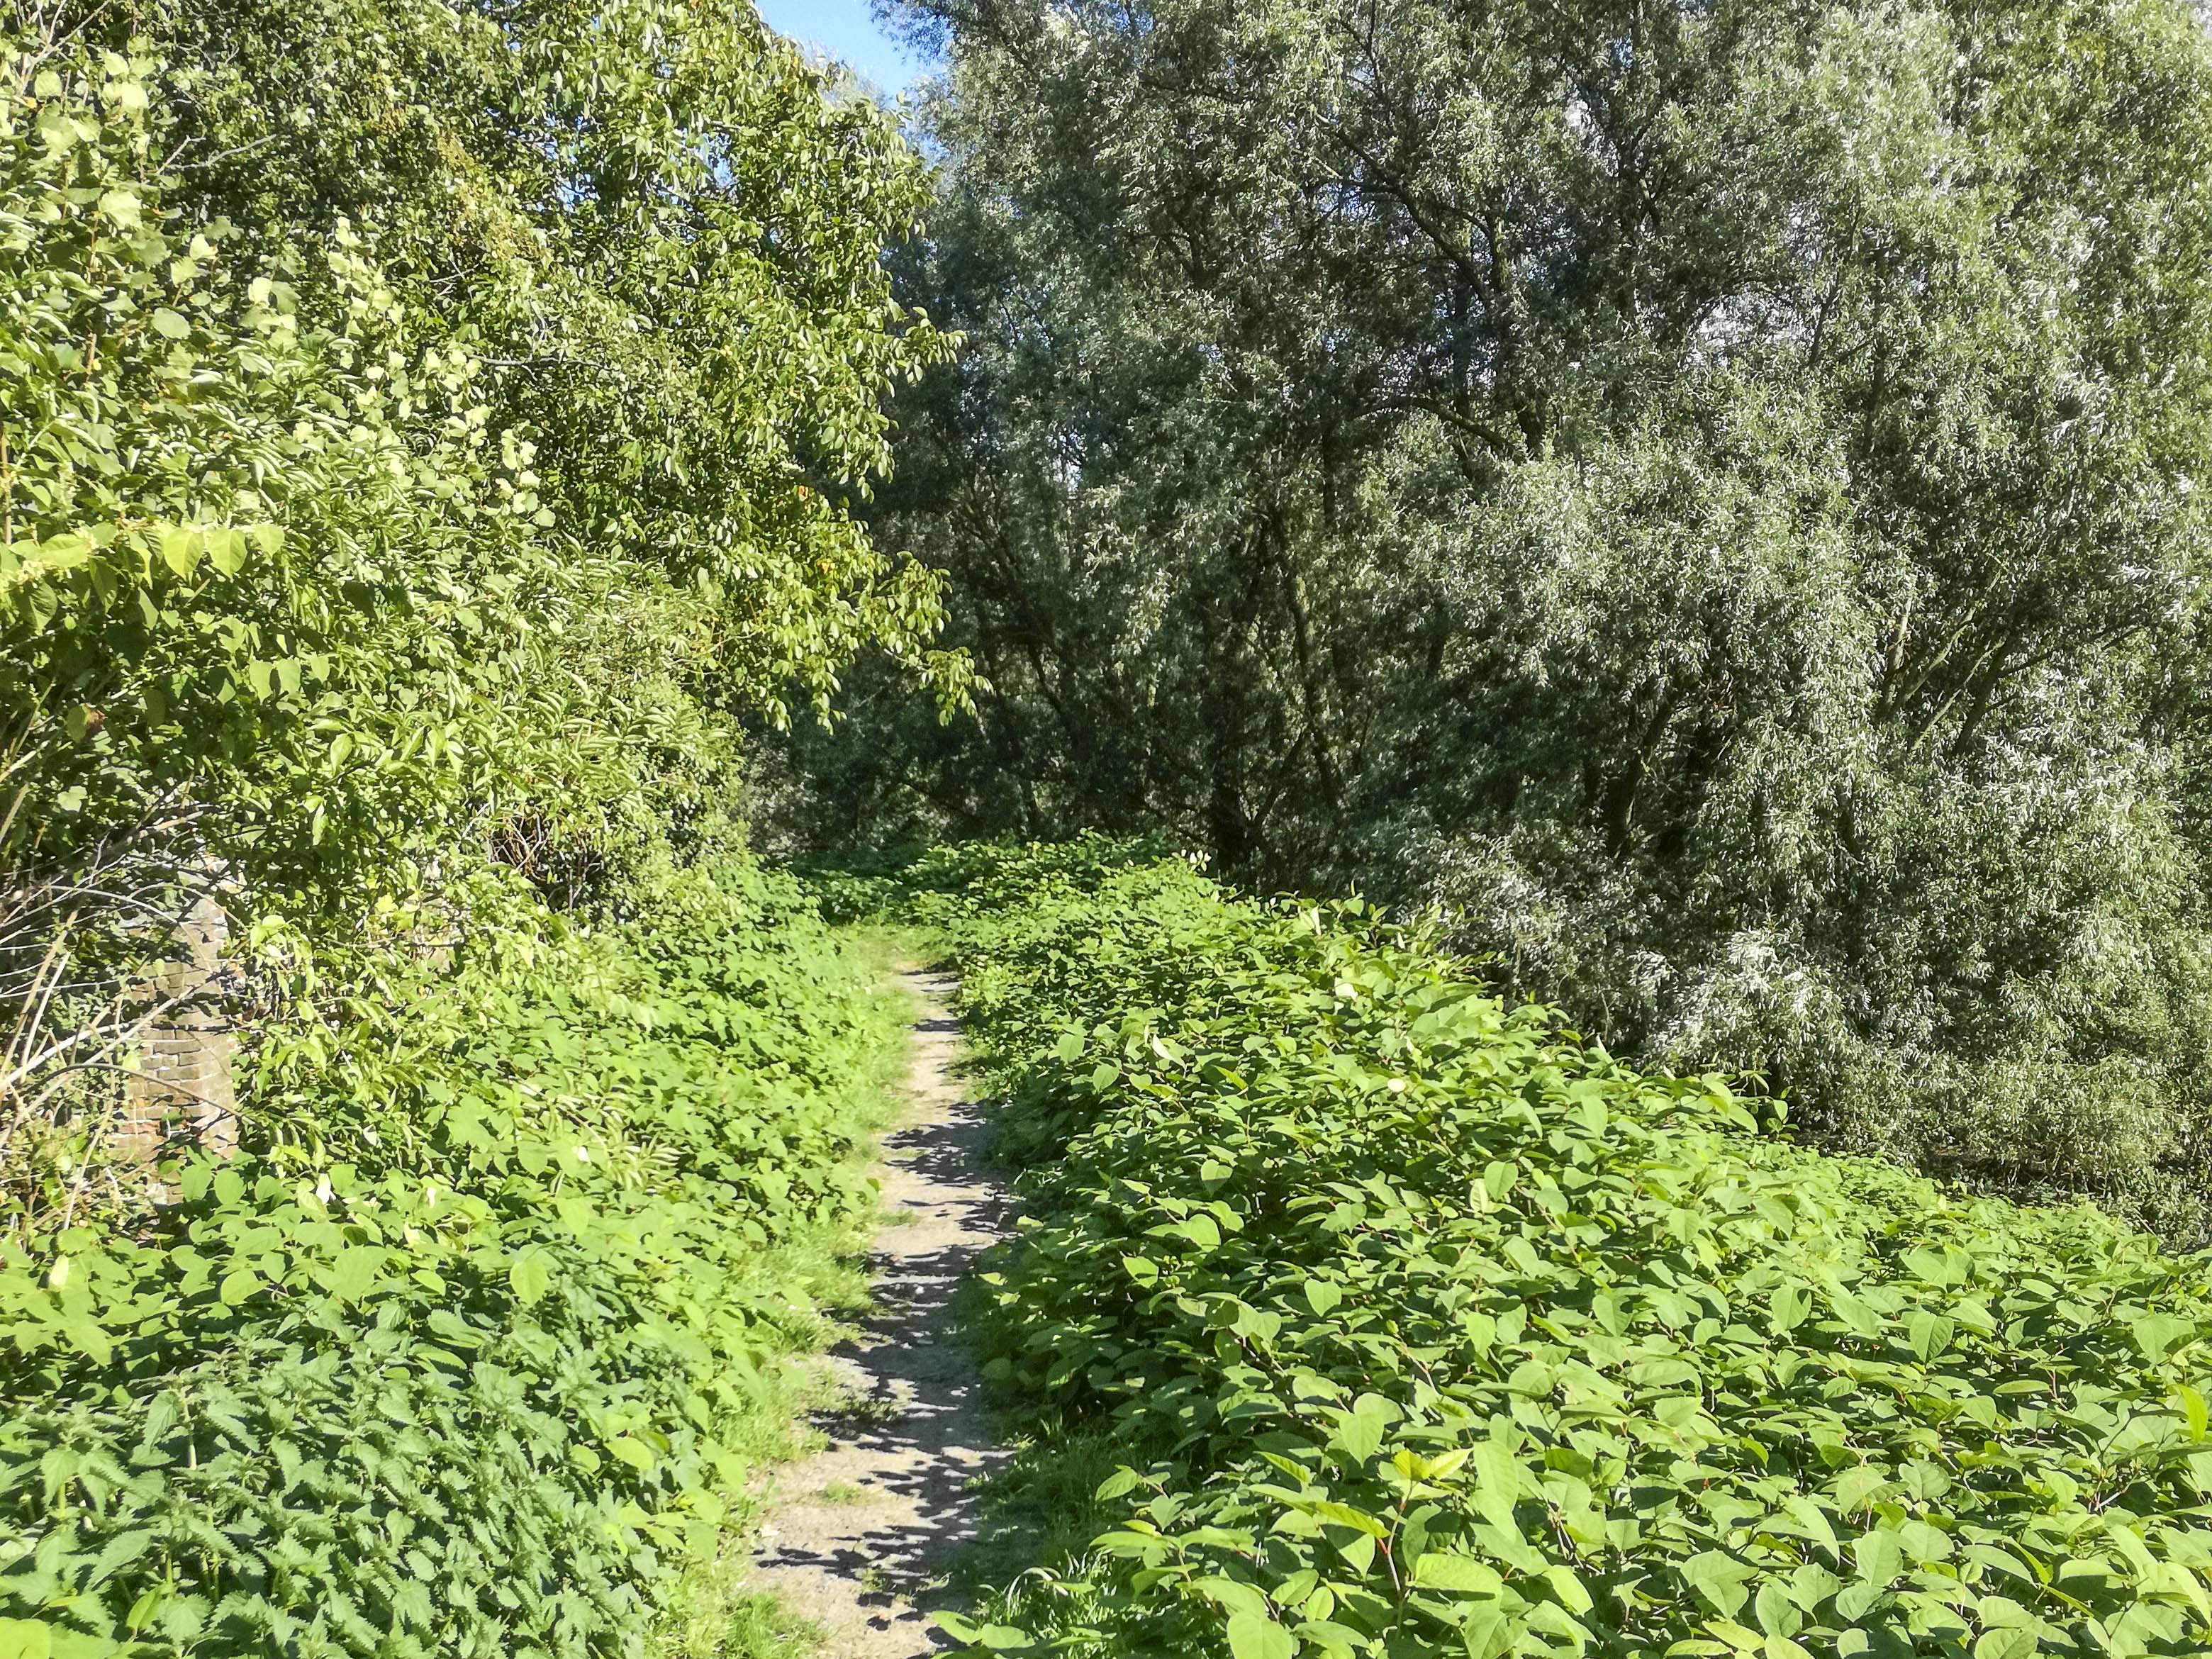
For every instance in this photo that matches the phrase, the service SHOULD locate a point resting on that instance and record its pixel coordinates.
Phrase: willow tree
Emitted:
(1712, 493)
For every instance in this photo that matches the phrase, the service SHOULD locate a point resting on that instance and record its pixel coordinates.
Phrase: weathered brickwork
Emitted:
(181, 1086)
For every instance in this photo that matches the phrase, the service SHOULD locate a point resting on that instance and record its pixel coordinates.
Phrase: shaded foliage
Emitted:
(1713, 495)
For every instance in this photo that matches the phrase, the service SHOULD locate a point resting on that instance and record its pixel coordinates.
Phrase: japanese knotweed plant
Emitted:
(427, 434)
(1428, 1327)
(463, 1360)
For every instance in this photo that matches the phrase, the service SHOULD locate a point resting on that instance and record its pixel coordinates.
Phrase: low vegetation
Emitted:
(1422, 1325)
(472, 1352)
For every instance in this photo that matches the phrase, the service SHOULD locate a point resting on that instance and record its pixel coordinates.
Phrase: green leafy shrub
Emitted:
(426, 430)
(424, 437)
(457, 1362)
(1430, 1328)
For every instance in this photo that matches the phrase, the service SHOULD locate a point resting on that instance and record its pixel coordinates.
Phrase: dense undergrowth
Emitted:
(469, 1351)
(1425, 1327)
(429, 435)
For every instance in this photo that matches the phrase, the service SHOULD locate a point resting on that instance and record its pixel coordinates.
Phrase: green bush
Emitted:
(425, 437)
(458, 1360)
(427, 432)
(1427, 1327)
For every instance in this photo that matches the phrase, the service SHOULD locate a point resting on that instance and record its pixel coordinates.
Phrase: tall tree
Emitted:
(424, 429)
(1711, 492)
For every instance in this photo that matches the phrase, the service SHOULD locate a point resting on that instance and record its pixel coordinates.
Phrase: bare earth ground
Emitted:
(859, 1535)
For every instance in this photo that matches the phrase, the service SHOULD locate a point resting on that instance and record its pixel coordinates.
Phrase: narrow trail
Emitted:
(861, 1532)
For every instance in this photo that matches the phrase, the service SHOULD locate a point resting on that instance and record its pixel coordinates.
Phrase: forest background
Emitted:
(1708, 497)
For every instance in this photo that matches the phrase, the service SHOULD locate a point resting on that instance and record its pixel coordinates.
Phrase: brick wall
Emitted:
(181, 1085)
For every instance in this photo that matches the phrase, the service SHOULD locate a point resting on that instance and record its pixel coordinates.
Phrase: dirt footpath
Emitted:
(859, 1535)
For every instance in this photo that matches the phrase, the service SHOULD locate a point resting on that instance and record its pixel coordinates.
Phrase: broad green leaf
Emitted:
(1490, 1633)
(1119, 1484)
(1231, 1595)
(1255, 1635)
(635, 1453)
(1498, 1482)
(1568, 1587)
(181, 547)
(1360, 1432)
(1720, 1580)
(1446, 1570)
(2155, 1333)
(530, 1275)
(1930, 1333)
(1789, 1307)
(1879, 1556)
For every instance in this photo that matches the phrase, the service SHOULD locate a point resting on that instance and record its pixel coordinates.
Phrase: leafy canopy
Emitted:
(1713, 494)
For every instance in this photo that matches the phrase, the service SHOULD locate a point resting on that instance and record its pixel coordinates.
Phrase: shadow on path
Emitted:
(860, 1539)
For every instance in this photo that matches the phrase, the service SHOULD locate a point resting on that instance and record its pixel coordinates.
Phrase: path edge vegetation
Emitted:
(1419, 1323)
(431, 440)
(713, 1610)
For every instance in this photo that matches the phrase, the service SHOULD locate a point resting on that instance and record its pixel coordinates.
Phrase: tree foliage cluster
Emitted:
(1425, 1325)
(425, 432)
(1711, 494)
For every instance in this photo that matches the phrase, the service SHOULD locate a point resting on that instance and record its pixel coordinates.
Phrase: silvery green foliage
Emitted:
(1711, 494)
